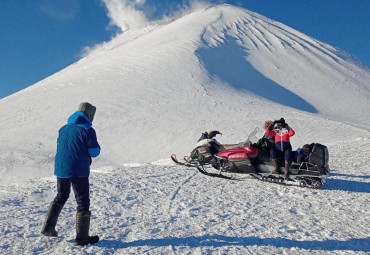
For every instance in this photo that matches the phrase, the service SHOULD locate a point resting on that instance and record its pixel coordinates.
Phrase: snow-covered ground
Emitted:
(156, 90)
(159, 208)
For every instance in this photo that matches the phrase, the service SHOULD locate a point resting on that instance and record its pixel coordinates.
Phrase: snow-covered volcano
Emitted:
(157, 89)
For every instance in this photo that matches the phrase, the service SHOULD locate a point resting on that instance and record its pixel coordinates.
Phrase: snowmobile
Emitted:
(309, 169)
(204, 154)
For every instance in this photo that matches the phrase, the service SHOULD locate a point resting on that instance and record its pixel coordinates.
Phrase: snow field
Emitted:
(161, 208)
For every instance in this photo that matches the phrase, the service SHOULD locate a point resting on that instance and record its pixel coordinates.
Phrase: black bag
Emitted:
(319, 155)
(305, 153)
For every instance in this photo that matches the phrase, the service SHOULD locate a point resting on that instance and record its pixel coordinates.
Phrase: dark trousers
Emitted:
(80, 187)
(282, 151)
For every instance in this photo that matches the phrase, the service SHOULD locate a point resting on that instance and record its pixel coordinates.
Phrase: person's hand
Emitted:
(272, 125)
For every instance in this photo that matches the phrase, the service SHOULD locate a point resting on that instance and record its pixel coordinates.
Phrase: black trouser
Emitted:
(80, 187)
(282, 150)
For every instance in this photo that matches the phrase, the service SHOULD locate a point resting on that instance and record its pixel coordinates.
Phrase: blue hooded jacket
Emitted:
(76, 144)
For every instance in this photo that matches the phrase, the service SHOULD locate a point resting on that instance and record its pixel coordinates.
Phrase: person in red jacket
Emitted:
(282, 133)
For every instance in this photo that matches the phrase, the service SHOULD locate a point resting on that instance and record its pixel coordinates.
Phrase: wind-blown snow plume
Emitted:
(125, 14)
(128, 14)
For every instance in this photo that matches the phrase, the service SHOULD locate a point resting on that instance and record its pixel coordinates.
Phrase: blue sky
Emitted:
(41, 37)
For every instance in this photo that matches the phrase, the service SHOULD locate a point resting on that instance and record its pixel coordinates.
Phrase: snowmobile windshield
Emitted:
(252, 138)
(203, 136)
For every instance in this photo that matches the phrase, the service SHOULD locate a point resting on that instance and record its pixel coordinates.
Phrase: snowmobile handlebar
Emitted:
(213, 134)
(209, 135)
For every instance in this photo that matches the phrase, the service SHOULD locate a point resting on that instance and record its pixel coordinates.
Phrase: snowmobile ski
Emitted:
(174, 159)
(199, 167)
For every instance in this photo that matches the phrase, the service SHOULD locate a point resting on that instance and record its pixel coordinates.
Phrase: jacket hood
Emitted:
(79, 118)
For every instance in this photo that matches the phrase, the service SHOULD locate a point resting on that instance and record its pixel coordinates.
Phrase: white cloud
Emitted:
(125, 14)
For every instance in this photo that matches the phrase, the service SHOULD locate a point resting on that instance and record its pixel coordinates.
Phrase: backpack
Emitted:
(319, 155)
(305, 153)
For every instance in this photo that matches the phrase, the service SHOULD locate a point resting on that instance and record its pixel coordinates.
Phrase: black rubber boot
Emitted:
(288, 164)
(82, 229)
(51, 218)
(275, 161)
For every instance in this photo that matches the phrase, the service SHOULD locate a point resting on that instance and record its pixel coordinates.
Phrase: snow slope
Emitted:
(156, 90)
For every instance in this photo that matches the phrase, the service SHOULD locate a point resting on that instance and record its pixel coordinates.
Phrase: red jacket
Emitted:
(282, 136)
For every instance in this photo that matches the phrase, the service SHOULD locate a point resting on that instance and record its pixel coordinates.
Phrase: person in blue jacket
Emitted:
(76, 144)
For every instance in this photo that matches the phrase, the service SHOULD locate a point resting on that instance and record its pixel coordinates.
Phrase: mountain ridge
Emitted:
(160, 89)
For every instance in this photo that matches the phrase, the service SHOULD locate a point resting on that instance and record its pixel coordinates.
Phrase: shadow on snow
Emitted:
(351, 186)
(351, 175)
(228, 62)
(220, 241)
(347, 185)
